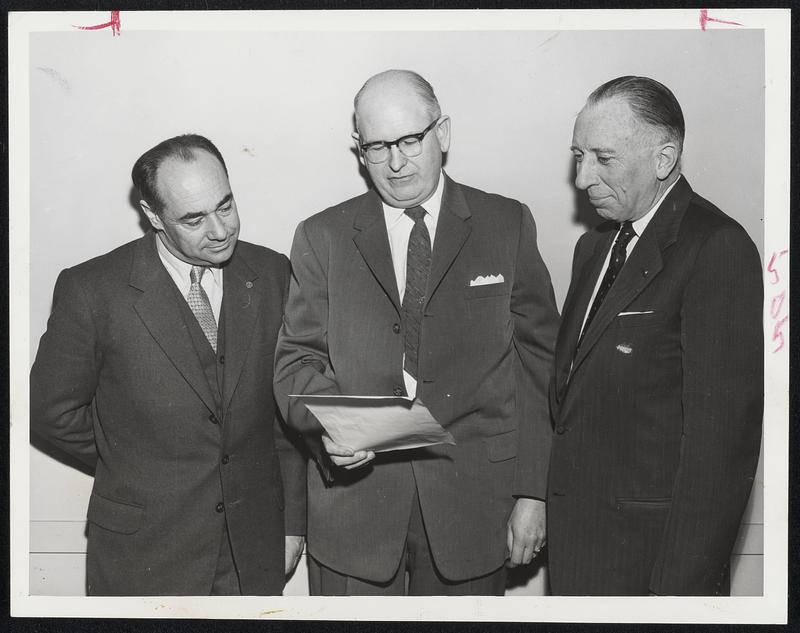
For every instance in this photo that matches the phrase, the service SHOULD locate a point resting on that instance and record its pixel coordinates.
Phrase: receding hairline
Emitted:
(415, 82)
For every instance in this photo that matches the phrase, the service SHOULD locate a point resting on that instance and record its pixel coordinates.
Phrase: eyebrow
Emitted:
(200, 214)
(594, 150)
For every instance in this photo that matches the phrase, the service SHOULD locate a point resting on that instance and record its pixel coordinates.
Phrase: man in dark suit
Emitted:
(159, 379)
(466, 326)
(657, 396)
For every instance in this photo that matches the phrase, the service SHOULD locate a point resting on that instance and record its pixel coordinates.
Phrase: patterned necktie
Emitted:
(418, 268)
(615, 264)
(201, 306)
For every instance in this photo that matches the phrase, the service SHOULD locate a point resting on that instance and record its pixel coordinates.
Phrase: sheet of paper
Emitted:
(376, 423)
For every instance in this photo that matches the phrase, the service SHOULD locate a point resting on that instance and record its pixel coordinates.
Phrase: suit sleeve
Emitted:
(292, 461)
(535, 317)
(723, 398)
(301, 359)
(64, 374)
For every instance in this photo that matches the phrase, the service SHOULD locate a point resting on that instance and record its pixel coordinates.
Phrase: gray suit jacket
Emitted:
(118, 383)
(484, 364)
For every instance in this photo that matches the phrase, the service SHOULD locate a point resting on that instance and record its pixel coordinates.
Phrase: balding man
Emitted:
(425, 287)
(658, 388)
(155, 371)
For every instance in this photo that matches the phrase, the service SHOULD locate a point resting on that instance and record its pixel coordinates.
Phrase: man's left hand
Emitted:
(526, 531)
(294, 547)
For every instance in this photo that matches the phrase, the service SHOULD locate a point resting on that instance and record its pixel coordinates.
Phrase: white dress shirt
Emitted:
(639, 226)
(180, 271)
(398, 226)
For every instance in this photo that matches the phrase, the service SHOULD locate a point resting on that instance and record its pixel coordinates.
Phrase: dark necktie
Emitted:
(615, 264)
(418, 268)
(201, 306)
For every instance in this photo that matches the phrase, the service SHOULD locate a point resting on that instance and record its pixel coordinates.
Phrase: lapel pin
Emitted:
(645, 273)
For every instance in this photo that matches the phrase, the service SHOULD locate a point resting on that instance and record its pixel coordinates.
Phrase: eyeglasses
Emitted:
(409, 145)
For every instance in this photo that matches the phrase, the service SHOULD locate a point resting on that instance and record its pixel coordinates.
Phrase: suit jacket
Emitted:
(117, 382)
(483, 373)
(658, 424)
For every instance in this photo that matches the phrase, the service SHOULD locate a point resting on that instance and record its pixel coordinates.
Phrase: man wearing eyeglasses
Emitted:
(431, 289)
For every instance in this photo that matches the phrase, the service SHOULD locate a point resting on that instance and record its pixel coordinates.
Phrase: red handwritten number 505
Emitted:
(776, 306)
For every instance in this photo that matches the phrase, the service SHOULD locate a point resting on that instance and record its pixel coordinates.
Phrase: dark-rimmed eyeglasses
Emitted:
(409, 145)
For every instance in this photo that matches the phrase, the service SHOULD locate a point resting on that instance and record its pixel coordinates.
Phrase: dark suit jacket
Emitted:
(483, 373)
(658, 427)
(117, 383)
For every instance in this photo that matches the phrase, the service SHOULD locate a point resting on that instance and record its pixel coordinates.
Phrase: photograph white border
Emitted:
(769, 608)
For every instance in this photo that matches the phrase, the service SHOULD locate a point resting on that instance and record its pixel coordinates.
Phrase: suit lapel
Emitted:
(372, 241)
(452, 230)
(159, 311)
(241, 304)
(575, 308)
(642, 266)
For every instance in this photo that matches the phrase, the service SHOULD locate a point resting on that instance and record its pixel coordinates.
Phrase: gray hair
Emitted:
(651, 102)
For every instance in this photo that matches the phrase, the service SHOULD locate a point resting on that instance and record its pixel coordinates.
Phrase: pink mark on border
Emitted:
(771, 265)
(705, 19)
(114, 23)
(776, 308)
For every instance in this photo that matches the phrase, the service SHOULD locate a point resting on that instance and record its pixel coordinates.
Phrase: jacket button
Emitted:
(225, 459)
(222, 359)
(220, 507)
(213, 419)
(396, 328)
(398, 391)
(560, 430)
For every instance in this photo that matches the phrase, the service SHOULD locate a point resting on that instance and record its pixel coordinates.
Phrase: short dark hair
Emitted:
(651, 102)
(145, 170)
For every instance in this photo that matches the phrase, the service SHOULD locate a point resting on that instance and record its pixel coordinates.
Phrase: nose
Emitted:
(397, 159)
(216, 227)
(585, 174)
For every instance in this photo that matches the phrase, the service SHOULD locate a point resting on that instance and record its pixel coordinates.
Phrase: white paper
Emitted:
(376, 423)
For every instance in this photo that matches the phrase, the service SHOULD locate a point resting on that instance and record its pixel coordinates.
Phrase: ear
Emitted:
(357, 141)
(666, 159)
(442, 130)
(155, 220)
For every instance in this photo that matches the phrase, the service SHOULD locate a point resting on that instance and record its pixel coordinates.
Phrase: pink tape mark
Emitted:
(114, 23)
(705, 19)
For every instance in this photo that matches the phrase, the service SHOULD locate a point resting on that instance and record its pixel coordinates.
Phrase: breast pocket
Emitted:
(637, 319)
(486, 290)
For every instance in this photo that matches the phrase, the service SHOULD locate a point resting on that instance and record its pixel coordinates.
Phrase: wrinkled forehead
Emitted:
(608, 121)
(178, 178)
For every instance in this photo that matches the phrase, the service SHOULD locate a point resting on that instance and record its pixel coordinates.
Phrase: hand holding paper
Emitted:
(344, 457)
(376, 423)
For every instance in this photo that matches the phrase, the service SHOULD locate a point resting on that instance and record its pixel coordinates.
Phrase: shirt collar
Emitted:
(178, 268)
(432, 205)
(641, 224)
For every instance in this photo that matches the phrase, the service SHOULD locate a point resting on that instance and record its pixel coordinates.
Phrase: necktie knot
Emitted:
(201, 306)
(415, 213)
(196, 274)
(626, 234)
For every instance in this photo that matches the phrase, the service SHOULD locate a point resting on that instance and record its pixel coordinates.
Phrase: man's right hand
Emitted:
(345, 457)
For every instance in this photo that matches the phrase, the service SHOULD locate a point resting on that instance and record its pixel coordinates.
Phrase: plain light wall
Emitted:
(279, 107)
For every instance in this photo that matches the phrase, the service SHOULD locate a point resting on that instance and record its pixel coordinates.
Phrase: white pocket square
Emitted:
(480, 280)
(632, 313)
